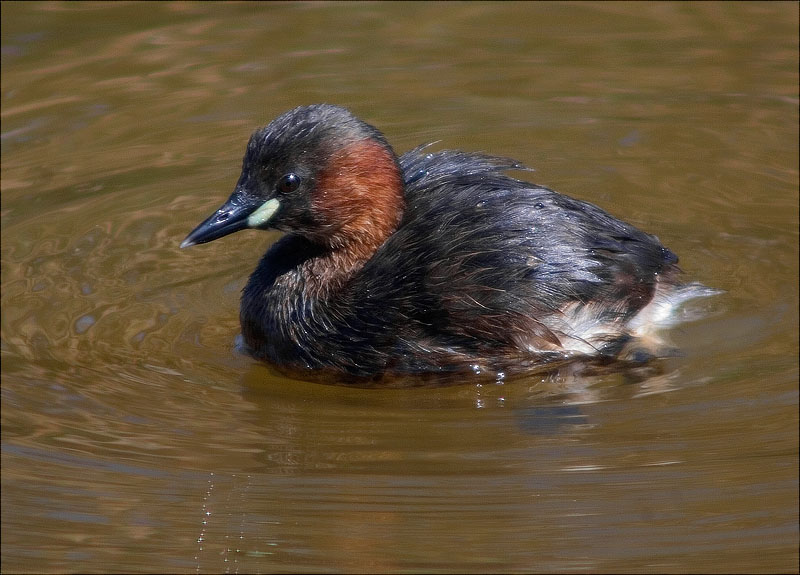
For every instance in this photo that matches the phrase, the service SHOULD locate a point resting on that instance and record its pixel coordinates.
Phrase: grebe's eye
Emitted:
(288, 183)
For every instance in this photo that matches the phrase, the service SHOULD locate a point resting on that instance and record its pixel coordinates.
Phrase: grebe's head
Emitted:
(317, 171)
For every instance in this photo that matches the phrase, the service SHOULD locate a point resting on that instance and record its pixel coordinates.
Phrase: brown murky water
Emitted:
(135, 438)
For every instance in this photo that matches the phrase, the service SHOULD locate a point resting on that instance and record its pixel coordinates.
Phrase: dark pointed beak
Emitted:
(229, 218)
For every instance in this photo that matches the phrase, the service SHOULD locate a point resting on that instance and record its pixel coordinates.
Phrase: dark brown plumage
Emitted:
(433, 262)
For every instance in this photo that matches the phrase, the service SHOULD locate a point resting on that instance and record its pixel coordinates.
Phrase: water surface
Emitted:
(136, 439)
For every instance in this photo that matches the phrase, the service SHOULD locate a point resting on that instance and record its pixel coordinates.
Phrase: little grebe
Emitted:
(430, 262)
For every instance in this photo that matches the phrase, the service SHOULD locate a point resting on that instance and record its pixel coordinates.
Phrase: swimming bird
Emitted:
(430, 262)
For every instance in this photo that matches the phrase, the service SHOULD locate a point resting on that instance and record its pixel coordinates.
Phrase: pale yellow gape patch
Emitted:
(263, 214)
